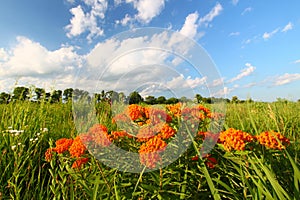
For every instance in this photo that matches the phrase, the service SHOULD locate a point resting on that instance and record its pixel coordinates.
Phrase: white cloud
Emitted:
(223, 92)
(147, 9)
(31, 59)
(297, 61)
(125, 21)
(269, 35)
(234, 2)
(217, 82)
(3, 55)
(82, 22)
(215, 11)
(117, 2)
(71, 1)
(287, 27)
(248, 9)
(234, 34)
(286, 78)
(189, 29)
(244, 72)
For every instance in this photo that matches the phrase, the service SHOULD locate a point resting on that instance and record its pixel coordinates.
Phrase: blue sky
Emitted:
(254, 46)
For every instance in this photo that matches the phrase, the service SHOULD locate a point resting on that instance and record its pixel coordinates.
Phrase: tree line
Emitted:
(22, 93)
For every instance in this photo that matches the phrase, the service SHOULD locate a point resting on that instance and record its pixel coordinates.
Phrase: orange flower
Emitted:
(62, 145)
(79, 162)
(135, 112)
(157, 116)
(119, 134)
(273, 140)
(150, 151)
(121, 118)
(100, 135)
(145, 133)
(209, 135)
(167, 132)
(235, 139)
(174, 109)
(49, 154)
(204, 109)
(211, 162)
(77, 149)
(97, 128)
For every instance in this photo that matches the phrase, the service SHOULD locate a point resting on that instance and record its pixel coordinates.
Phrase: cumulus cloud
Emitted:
(147, 9)
(244, 72)
(286, 79)
(215, 11)
(83, 22)
(190, 26)
(122, 64)
(138, 61)
(223, 92)
(267, 35)
(287, 27)
(125, 21)
(29, 58)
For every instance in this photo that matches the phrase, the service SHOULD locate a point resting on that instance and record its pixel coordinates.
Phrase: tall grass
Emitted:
(259, 173)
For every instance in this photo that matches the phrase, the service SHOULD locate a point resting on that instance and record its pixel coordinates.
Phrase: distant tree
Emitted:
(207, 100)
(135, 98)
(4, 98)
(47, 96)
(112, 96)
(21, 93)
(161, 100)
(183, 99)
(40, 92)
(198, 98)
(150, 100)
(68, 94)
(172, 100)
(234, 99)
(56, 96)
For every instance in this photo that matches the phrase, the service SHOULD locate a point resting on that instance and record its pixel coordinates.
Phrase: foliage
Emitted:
(254, 171)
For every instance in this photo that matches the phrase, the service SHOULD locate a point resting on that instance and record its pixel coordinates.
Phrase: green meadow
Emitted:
(28, 129)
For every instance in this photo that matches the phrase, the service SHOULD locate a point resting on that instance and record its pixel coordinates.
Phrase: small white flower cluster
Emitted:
(13, 147)
(15, 133)
(43, 130)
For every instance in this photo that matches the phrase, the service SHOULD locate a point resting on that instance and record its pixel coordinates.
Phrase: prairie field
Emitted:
(256, 155)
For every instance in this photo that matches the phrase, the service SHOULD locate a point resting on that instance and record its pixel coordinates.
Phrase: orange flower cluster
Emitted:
(167, 131)
(99, 135)
(150, 151)
(195, 113)
(273, 140)
(175, 109)
(157, 116)
(75, 147)
(79, 162)
(209, 135)
(145, 133)
(62, 145)
(235, 139)
(135, 112)
(119, 134)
